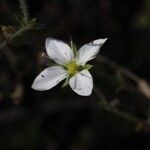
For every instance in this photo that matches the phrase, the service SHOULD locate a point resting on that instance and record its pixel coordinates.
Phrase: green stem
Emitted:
(24, 8)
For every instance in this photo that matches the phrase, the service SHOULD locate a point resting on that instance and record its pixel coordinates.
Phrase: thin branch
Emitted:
(7, 52)
(11, 58)
(100, 94)
(4, 45)
(24, 9)
(119, 68)
(28, 25)
(120, 114)
(142, 85)
(108, 107)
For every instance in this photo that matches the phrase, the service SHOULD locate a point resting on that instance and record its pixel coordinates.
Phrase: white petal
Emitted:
(59, 51)
(89, 51)
(49, 78)
(82, 83)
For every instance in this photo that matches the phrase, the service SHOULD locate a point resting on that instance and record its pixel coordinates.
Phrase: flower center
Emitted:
(72, 67)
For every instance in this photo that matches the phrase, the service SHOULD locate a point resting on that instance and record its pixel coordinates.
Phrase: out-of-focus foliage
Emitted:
(60, 119)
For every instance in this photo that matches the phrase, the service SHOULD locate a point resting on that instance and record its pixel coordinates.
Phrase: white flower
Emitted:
(70, 66)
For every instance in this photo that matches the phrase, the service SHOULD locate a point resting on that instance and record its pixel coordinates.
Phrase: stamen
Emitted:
(72, 67)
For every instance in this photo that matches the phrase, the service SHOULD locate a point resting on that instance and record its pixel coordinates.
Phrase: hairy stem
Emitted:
(24, 9)
(12, 60)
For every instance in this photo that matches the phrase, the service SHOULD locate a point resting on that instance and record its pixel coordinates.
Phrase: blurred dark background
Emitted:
(59, 119)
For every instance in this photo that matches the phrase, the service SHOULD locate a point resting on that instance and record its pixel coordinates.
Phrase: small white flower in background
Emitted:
(71, 65)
